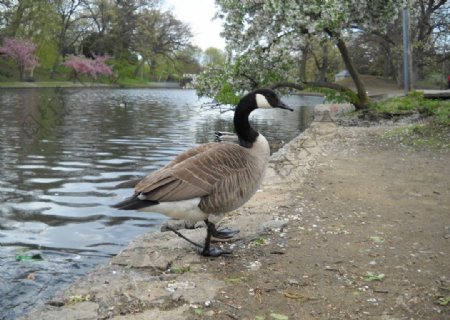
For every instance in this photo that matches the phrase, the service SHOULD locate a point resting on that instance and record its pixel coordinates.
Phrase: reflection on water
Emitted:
(61, 153)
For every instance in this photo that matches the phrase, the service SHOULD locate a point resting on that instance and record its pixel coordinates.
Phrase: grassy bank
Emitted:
(437, 110)
(433, 131)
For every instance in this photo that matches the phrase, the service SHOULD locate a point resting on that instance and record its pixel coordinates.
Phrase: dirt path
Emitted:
(350, 224)
(368, 238)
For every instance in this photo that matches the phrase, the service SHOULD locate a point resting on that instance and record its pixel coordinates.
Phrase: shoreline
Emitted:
(86, 85)
(331, 209)
(162, 257)
(94, 85)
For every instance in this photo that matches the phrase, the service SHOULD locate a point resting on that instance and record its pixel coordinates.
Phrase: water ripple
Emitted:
(59, 170)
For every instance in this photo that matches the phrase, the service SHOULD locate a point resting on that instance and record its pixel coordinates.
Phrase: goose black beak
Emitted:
(282, 105)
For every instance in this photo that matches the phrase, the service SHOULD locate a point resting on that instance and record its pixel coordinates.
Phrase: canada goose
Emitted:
(211, 179)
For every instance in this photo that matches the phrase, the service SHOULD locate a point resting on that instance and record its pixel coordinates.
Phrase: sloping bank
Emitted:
(160, 276)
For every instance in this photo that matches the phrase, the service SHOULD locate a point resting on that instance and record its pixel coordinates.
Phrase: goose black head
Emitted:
(266, 98)
(261, 98)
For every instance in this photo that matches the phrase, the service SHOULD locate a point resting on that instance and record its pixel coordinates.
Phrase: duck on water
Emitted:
(205, 182)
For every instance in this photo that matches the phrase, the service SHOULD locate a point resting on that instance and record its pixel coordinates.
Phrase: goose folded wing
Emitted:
(195, 176)
(190, 154)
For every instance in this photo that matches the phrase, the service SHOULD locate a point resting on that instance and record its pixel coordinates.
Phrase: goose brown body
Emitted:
(223, 176)
(211, 179)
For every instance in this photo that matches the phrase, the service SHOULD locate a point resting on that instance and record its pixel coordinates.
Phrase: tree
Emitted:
(213, 56)
(276, 28)
(430, 21)
(126, 14)
(37, 21)
(101, 15)
(67, 30)
(22, 52)
(92, 67)
(159, 34)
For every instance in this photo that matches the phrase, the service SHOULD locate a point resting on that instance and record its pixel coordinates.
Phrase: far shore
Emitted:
(70, 84)
(93, 85)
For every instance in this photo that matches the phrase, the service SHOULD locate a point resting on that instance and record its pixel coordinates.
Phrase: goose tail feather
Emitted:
(134, 203)
(128, 184)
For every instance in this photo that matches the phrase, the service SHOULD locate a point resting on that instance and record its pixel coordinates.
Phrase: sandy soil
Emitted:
(351, 223)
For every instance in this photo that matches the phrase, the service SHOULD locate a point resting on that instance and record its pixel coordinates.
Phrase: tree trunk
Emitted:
(303, 61)
(363, 99)
(324, 66)
(21, 72)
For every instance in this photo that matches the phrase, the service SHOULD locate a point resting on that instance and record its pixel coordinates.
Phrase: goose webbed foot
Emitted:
(214, 252)
(225, 233)
(212, 231)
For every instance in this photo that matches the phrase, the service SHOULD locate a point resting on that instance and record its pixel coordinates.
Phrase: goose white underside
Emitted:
(183, 210)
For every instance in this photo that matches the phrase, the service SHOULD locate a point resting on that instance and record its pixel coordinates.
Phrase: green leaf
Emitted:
(260, 318)
(278, 316)
(259, 241)
(444, 301)
(374, 277)
(79, 298)
(34, 257)
(235, 280)
(377, 239)
(198, 311)
(181, 270)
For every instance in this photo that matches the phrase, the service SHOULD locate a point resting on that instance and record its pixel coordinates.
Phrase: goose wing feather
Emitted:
(195, 173)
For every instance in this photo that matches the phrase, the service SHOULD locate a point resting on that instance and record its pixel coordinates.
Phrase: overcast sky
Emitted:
(199, 15)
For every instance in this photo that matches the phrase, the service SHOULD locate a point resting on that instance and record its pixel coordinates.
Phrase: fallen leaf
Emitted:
(374, 277)
(79, 298)
(278, 316)
(294, 295)
(444, 301)
(34, 257)
(377, 239)
(198, 311)
(235, 280)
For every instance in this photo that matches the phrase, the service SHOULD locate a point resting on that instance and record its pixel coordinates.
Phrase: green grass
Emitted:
(417, 135)
(438, 110)
(129, 82)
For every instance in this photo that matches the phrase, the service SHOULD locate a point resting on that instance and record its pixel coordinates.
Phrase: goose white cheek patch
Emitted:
(262, 102)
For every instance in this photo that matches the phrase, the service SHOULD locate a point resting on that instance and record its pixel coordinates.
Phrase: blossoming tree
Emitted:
(22, 52)
(81, 65)
(265, 38)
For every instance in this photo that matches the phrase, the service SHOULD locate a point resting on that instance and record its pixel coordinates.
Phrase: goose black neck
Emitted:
(246, 134)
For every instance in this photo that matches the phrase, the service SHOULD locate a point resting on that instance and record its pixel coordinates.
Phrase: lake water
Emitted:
(61, 153)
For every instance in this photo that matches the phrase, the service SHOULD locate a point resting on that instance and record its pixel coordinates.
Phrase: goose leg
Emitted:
(225, 233)
(182, 236)
(207, 250)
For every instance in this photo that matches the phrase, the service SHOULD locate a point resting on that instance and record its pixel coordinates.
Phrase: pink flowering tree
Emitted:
(81, 65)
(22, 52)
